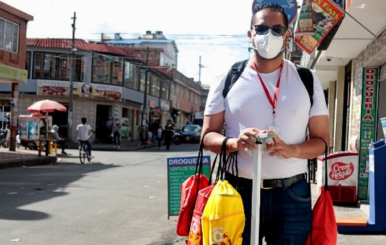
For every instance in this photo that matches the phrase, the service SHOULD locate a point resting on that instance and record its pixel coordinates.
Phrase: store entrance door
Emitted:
(102, 115)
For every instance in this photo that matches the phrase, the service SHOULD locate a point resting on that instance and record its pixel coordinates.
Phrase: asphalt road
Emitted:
(118, 198)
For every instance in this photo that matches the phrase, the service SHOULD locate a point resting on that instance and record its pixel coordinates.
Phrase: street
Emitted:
(117, 198)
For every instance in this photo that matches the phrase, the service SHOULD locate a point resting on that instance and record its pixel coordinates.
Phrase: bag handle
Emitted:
(325, 164)
(200, 157)
(223, 160)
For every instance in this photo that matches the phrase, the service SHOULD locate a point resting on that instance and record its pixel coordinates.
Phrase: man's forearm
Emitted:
(309, 149)
(213, 142)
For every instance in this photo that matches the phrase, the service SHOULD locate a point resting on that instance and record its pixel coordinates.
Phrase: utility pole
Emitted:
(144, 105)
(199, 71)
(70, 104)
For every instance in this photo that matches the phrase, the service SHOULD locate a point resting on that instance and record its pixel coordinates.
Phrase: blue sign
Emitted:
(339, 2)
(290, 7)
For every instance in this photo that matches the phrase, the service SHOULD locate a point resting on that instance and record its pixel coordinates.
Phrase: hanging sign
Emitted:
(368, 123)
(290, 7)
(325, 16)
(305, 24)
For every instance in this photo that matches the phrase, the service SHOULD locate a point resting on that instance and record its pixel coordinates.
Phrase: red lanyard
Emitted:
(273, 101)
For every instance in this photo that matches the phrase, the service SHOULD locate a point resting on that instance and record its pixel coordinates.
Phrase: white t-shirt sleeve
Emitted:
(215, 100)
(319, 107)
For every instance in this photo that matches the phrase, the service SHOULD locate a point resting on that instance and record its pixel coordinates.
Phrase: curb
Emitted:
(27, 162)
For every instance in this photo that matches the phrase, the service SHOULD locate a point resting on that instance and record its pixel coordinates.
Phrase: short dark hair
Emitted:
(84, 120)
(273, 7)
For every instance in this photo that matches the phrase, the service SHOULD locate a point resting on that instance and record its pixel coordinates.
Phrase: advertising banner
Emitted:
(87, 90)
(368, 123)
(179, 169)
(305, 24)
(325, 15)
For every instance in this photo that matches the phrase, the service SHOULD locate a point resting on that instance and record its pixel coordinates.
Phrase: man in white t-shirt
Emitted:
(83, 130)
(270, 96)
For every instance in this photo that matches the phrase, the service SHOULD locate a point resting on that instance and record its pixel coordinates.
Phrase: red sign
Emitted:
(341, 171)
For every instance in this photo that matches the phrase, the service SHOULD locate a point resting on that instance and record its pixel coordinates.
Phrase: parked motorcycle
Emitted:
(4, 138)
(176, 137)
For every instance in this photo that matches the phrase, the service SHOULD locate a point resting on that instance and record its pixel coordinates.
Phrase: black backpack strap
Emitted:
(308, 81)
(233, 74)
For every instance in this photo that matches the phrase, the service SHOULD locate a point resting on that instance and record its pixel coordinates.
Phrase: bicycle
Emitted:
(83, 151)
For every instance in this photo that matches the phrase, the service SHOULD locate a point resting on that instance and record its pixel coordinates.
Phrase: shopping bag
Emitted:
(189, 191)
(324, 229)
(195, 233)
(223, 219)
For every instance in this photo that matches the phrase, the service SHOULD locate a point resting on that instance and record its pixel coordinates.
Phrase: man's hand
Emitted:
(278, 147)
(244, 141)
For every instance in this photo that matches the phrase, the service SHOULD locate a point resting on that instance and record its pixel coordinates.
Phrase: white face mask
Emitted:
(268, 46)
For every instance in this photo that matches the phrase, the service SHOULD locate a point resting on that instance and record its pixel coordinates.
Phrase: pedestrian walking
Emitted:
(160, 133)
(116, 129)
(270, 96)
(168, 133)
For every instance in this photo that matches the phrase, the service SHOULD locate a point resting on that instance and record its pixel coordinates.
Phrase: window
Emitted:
(131, 75)
(56, 66)
(28, 63)
(173, 88)
(165, 90)
(107, 69)
(117, 71)
(142, 86)
(101, 69)
(9, 36)
(155, 86)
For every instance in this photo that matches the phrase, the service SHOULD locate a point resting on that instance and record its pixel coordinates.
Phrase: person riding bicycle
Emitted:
(83, 130)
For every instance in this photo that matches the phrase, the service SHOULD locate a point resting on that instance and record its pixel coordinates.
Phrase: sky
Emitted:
(215, 30)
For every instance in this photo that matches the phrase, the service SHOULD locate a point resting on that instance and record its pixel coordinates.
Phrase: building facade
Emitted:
(13, 28)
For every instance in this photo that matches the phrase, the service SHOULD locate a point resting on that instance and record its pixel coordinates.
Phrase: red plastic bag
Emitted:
(195, 234)
(188, 199)
(324, 228)
(189, 191)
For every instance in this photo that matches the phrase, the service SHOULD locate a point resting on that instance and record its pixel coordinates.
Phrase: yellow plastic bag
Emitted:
(223, 219)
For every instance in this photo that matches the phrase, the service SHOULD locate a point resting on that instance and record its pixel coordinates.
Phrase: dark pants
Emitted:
(168, 142)
(86, 142)
(117, 139)
(285, 213)
(159, 143)
(62, 144)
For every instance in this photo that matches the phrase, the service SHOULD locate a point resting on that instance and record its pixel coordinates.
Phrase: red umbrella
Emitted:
(46, 106)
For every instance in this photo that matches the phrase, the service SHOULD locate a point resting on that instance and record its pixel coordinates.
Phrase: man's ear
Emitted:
(287, 36)
(249, 33)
